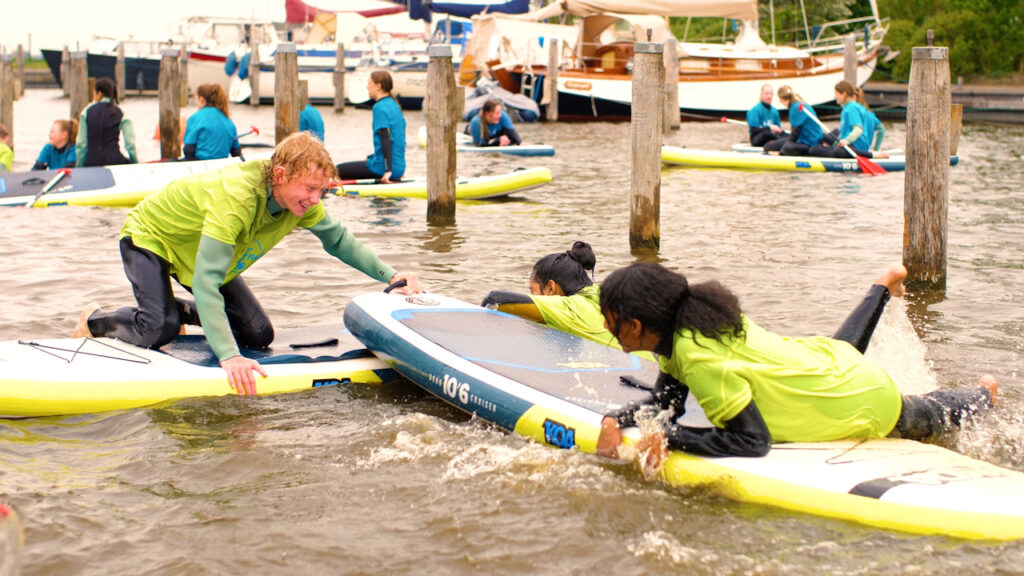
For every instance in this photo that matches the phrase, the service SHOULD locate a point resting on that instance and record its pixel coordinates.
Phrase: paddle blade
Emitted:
(869, 167)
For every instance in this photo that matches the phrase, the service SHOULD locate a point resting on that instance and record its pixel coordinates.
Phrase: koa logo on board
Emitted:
(318, 382)
(558, 434)
(454, 389)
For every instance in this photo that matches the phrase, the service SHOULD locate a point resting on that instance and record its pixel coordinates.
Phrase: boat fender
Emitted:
(243, 66)
(230, 64)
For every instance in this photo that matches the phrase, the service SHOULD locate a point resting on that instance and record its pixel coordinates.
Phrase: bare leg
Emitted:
(990, 383)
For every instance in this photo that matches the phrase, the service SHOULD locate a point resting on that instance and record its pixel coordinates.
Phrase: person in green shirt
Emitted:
(757, 387)
(204, 230)
(6, 154)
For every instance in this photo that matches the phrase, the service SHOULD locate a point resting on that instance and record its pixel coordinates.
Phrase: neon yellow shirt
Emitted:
(579, 314)
(229, 205)
(807, 389)
(6, 156)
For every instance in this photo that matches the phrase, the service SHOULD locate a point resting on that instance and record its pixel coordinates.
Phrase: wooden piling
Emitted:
(551, 82)
(7, 94)
(956, 123)
(850, 59)
(19, 87)
(183, 59)
(286, 91)
(77, 83)
(170, 104)
(441, 108)
(119, 78)
(65, 66)
(339, 79)
(646, 122)
(671, 116)
(926, 181)
(254, 66)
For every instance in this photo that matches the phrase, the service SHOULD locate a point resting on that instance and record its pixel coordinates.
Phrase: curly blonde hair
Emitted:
(299, 154)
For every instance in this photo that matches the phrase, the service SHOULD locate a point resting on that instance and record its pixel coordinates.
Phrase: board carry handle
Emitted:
(634, 382)
(397, 284)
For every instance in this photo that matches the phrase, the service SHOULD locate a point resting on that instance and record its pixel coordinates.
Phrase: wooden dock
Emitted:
(982, 103)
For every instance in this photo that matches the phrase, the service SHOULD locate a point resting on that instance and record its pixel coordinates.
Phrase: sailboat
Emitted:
(595, 81)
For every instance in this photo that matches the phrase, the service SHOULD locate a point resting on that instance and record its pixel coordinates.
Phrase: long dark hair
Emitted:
(105, 86)
(568, 269)
(664, 302)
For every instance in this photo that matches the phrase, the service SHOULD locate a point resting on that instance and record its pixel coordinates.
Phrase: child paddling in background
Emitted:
(59, 151)
(757, 387)
(6, 154)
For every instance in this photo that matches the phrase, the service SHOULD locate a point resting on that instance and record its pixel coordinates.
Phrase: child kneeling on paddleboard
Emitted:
(206, 229)
(758, 387)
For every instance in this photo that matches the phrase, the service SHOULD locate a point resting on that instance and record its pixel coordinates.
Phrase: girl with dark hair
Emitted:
(562, 295)
(856, 127)
(387, 163)
(210, 133)
(100, 126)
(757, 387)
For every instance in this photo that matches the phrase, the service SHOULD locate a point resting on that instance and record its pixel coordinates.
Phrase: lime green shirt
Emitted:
(807, 389)
(6, 156)
(579, 314)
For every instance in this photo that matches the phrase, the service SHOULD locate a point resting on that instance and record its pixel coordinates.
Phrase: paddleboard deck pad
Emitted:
(554, 388)
(84, 375)
(475, 188)
(746, 161)
(464, 143)
(113, 186)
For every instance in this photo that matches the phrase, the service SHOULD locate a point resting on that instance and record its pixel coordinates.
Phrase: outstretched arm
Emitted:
(513, 303)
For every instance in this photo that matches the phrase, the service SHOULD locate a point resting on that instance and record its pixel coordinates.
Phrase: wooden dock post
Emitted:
(119, 79)
(339, 80)
(7, 94)
(170, 105)
(926, 181)
(286, 91)
(183, 59)
(646, 122)
(65, 64)
(551, 81)
(19, 87)
(671, 119)
(850, 59)
(254, 66)
(441, 109)
(956, 123)
(77, 83)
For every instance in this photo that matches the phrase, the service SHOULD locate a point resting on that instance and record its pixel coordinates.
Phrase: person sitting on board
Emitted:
(804, 132)
(100, 126)
(204, 230)
(311, 121)
(876, 125)
(562, 295)
(387, 163)
(6, 153)
(500, 131)
(763, 119)
(59, 152)
(209, 132)
(758, 387)
(856, 128)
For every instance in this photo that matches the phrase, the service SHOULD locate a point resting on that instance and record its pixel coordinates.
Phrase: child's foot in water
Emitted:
(990, 383)
(893, 280)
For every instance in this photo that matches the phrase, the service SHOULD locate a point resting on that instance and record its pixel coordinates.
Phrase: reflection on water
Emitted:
(343, 480)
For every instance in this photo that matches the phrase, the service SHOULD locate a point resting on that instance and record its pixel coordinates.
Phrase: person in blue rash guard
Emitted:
(100, 127)
(204, 231)
(763, 119)
(209, 133)
(387, 163)
(856, 128)
(311, 121)
(804, 132)
(59, 152)
(499, 131)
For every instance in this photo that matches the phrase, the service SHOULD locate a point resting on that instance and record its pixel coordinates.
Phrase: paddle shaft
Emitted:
(49, 186)
(731, 121)
(865, 164)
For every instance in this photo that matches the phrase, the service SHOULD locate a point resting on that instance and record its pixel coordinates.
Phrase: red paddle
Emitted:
(865, 164)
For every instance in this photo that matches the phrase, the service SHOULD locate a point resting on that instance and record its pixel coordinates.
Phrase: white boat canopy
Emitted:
(738, 9)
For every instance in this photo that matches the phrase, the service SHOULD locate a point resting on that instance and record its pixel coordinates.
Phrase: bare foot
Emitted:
(880, 154)
(893, 280)
(990, 383)
(82, 328)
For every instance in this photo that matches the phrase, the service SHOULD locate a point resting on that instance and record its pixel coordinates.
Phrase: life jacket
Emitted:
(104, 135)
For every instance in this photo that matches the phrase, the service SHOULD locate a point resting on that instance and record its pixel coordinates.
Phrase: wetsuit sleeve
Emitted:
(236, 151)
(82, 142)
(510, 129)
(128, 130)
(39, 165)
(514, 136)
(189, 151)
(212, 261)
(854, 134)
(341, 244)
(794, 132)
(879, 136)
(42, 160)
(521, 305)
(746, 434)
(385, 147)
(667, 393)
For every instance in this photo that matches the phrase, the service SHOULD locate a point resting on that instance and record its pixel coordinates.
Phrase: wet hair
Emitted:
(490, 105)
(215, 96)
(299, 153)
(568, 269)
(383, 79)
(664, 303)
(105, 87)
(786, 93)
(69, 126)
(845, 87)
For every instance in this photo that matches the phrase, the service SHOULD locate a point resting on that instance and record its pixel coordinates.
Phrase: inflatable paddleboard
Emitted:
(475, 188)
(554, 388)
(113, 186)
(748, 149)
(745, 161)
(464, 143)
(84, 375)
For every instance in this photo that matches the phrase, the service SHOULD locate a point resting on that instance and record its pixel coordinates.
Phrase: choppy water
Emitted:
(384, 479)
